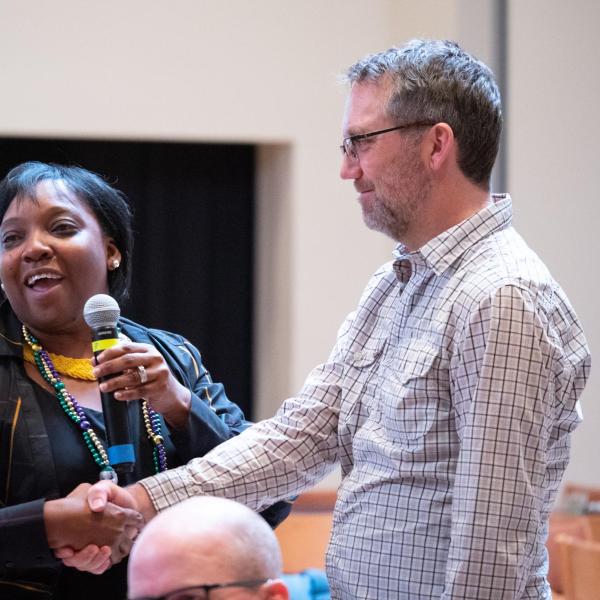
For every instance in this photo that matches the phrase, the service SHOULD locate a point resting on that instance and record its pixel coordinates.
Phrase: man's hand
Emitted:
(133, 496)
(101, 497)
(71, 526)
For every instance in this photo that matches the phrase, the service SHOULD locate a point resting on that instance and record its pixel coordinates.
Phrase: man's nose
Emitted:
(350, 168)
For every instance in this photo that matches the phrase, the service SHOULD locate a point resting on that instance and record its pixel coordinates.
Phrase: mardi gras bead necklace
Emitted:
(50, 373)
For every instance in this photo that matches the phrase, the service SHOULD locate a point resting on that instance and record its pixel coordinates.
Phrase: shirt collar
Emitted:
(441, 251)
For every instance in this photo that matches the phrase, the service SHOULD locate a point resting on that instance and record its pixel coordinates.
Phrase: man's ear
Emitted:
(438, 147)
(276, 590)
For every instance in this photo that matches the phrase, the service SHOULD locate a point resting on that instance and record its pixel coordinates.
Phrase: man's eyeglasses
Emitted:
(201, 592)
(351, 144)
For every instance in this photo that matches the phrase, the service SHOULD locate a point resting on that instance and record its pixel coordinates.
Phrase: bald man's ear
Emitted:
(438, 146)
(276, 590)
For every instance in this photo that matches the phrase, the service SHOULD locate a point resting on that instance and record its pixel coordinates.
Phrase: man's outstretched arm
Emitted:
(271, 460)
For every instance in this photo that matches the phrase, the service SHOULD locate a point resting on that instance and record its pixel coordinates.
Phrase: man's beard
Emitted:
(397, 200)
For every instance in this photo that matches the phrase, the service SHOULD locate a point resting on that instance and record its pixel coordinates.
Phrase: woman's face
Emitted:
(53, 257)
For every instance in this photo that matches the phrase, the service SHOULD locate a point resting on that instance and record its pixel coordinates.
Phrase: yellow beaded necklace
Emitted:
(77, 368)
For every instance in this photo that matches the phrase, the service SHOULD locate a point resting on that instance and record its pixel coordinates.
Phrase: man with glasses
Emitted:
(206, 549)
(451, 394)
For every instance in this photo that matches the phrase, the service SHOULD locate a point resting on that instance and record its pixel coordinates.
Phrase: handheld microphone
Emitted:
(101, 312)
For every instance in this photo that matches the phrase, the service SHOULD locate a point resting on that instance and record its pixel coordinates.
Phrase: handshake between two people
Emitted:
(95, 526)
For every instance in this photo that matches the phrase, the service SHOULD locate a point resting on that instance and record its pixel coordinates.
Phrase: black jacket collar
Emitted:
(11, 338)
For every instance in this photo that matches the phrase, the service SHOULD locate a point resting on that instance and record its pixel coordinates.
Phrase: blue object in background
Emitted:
(307, 585)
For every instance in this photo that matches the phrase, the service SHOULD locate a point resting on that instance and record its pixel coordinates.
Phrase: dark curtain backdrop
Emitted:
(193, 216)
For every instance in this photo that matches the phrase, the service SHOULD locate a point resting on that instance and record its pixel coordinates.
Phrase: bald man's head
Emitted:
(204, 541)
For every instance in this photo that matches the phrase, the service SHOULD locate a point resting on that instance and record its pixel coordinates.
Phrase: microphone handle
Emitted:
(116, 418)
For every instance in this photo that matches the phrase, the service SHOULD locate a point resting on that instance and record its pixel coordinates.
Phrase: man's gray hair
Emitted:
(435, 80)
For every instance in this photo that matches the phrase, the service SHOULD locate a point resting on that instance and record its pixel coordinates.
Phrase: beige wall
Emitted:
(553, 168)
(265, 71)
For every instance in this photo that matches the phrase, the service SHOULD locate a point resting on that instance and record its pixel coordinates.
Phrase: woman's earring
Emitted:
(115, 264)
(2, 286)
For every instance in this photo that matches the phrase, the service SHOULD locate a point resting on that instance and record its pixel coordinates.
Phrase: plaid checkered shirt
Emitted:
(448, 400)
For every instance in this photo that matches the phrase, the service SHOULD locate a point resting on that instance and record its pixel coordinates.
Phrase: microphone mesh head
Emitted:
(101, 310)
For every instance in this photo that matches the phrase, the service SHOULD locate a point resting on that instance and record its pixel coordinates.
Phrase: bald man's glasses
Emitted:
(351, 145)
(201, 592)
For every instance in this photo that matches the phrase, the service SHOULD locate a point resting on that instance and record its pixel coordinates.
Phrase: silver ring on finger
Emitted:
(143, 374)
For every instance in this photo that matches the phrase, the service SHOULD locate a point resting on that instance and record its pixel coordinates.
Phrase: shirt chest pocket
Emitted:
(357, 398)
(412, 390)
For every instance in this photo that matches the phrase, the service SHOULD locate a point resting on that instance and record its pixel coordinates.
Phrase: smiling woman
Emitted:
(54, 255)
(65, 235)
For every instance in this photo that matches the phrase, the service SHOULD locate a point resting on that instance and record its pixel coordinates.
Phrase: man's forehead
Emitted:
(171, 564)
(366, 106)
